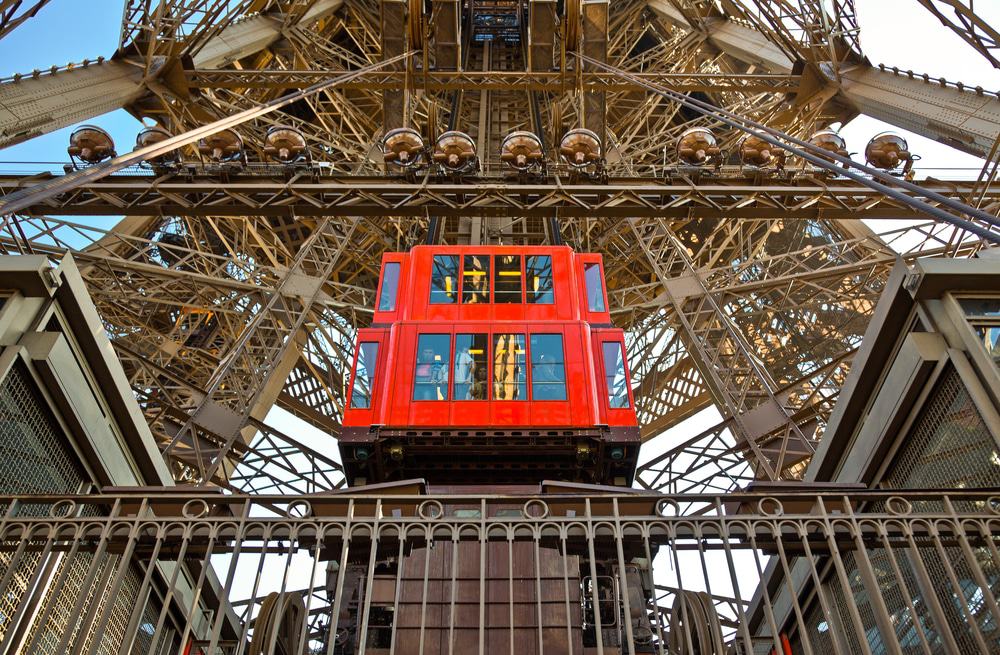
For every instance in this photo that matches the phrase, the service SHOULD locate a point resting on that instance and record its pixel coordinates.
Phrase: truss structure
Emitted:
(231, 291)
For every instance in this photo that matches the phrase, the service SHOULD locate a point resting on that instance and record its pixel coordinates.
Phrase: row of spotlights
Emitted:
(92, 145)
(456, 151)
(887, 151)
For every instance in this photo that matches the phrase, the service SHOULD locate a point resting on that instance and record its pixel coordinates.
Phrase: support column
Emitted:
(10, 19)
(541, 34)
(447, 35)
(595, 46)
(393, 43)
(738, 41)
(960, 118)
(250, 36)
(33, 106)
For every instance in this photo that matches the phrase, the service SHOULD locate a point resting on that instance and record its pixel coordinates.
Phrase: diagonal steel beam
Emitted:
(10, 19)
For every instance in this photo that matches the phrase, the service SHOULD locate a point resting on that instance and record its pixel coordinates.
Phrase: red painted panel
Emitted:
(586, 403)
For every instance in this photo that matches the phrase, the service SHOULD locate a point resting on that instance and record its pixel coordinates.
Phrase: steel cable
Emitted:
(823, 158)
(694, 622)
(21, 200)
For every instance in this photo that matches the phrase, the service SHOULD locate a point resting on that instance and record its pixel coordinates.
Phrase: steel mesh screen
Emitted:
(949, 447)
(70, 577)
(35, 459)
(166, 640)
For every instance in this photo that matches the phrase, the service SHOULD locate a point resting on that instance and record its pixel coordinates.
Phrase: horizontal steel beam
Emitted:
(552, 81)
(796, 197)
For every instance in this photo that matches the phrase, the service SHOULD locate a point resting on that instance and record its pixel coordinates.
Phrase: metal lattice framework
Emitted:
(228, 292)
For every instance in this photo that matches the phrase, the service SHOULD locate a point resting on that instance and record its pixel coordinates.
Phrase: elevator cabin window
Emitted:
(469, 375)
(548, 372)
(430, 375)
(614, 375)
(444, 280)
(390, 287)
(595, 290)
(476, 279)
(509, 378)
(539, 273)
(507, 284)
(364, 375)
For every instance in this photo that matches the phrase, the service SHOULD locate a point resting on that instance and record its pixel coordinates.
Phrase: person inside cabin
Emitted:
(508, 367)
(439, 379)
(464, 367)
(478, 389)
(423, 375)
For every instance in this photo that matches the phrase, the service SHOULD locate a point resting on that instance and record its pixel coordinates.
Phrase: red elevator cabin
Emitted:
(490, 365)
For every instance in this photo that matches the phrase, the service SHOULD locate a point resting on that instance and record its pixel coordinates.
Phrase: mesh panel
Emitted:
(35, 459)
(166, 640)
(949, 447)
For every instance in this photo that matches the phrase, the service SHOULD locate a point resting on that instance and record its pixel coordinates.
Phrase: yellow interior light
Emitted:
(535, 283)
(518, 352)
(474, 273)
(447, 285)
(510, 273)
(437, 358)
(475, 351)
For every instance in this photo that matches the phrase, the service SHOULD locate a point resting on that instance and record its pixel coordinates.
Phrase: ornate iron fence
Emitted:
(177, 571)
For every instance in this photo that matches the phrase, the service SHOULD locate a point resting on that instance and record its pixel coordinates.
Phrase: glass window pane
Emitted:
(548, 371)
(430, 379)
(595, 289)
(390, 287)
(470, 379)
(364, 375)
(614, 375)
(444, 280)
(508, 367)
(476, 279)
(507, 285)
(539, 270)
(974, 307)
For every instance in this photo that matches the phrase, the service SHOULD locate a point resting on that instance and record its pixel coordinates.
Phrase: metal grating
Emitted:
(949, 447)
(35, 459)
(167, 640)
(70, 577)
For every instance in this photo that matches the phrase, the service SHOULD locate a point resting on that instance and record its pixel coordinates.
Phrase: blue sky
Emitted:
(64, 31)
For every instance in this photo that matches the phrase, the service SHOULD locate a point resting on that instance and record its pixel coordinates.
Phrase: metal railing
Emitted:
(162, 571)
